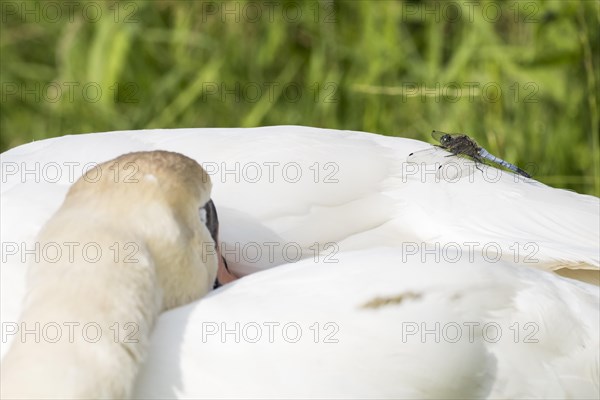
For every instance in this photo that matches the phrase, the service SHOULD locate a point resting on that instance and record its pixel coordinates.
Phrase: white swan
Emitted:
(358, 202)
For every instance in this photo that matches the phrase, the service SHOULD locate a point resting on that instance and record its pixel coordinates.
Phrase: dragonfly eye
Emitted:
(445, 139)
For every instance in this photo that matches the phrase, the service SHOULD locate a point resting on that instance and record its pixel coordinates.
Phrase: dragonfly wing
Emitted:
(441, 164)
(426, 152)
(437, 135)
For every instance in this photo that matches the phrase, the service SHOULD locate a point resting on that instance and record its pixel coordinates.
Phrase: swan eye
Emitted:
(208, 216)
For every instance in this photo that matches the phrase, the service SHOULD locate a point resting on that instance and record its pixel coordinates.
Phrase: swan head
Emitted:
(157, 198)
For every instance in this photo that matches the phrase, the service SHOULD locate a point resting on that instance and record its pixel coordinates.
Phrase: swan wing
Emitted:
(378, 325)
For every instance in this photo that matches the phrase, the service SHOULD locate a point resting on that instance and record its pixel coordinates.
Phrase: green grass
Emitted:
(524, 84)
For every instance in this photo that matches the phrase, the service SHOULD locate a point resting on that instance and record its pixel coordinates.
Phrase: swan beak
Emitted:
(223, 274)
(212, 223)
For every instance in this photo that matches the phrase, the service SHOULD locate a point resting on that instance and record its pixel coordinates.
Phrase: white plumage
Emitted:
(358, 200)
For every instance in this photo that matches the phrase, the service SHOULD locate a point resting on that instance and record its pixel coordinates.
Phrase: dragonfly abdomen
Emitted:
(485, 154)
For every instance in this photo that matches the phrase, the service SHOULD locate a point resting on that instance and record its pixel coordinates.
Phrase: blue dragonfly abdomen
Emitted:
(490, 157)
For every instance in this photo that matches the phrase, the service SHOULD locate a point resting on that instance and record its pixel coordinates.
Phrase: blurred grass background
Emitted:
(521, 77)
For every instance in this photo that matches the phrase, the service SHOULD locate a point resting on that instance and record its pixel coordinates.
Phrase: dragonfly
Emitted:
(460, 144)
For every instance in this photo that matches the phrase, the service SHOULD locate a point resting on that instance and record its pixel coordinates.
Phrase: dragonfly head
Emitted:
(445, 139)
